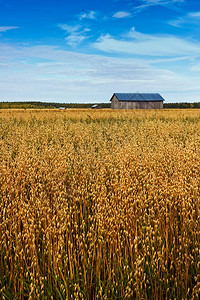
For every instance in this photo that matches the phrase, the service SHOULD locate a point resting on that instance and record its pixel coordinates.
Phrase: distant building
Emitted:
(97, 106)
(61, 107)
(136, 101)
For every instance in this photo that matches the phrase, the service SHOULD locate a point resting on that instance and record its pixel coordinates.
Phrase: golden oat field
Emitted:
(99, 204)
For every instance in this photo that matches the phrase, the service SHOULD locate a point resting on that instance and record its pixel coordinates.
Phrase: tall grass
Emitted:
(100, 204)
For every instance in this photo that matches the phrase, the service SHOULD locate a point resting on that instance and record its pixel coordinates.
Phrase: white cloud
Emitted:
(177, 23)
(75, 34)
(138, 43)
(75, 39)
(69, 28)
(89, 15)
(192, 17)
(149, 3)
(160, 2)
(48, 73)
(195, 67)
(121, 14)
(6, 28)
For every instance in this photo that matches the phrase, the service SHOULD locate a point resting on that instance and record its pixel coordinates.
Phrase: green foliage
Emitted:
(182, 105)
(52, 105)
(47, 105)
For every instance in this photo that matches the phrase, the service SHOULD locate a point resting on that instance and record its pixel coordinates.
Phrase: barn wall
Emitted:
(149, 105)
(115, 104)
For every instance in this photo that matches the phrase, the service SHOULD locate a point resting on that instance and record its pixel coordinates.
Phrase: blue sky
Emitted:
(84, 51)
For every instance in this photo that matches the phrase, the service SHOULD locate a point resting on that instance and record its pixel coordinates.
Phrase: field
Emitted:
(99, 204)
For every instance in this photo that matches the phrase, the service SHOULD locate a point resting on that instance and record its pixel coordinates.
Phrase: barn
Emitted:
(136, 101)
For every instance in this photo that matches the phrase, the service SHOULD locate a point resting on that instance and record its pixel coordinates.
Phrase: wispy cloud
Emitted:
(195, 15)
(137, 43)
(69, 28)
(75, 34)
(149, 3)
(6, 28)
(160, 2)
(88, 15)
(51, 74)
(195, 67)
(192, 17)
(121, 14)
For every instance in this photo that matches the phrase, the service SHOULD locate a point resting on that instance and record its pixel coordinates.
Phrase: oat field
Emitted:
(99, 204)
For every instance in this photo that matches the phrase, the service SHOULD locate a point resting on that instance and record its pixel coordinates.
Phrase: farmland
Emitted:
(99, 204)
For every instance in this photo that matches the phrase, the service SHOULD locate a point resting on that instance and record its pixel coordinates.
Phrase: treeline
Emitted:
(52, 105)
(182, 105)
(48, 105)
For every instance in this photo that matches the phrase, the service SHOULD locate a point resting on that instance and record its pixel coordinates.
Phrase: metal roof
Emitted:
(139, 97)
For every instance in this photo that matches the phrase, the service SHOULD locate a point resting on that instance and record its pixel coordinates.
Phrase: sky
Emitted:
(84, 51)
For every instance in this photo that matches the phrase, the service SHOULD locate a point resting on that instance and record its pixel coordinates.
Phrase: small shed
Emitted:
(97, 106)
(136, 101)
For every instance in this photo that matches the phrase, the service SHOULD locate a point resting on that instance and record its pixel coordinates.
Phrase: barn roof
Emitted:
(138, 97)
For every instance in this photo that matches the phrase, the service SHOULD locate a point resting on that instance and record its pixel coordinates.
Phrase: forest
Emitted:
(53, 105)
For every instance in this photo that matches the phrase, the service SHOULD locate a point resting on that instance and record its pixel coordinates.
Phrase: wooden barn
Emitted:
(136, 101)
